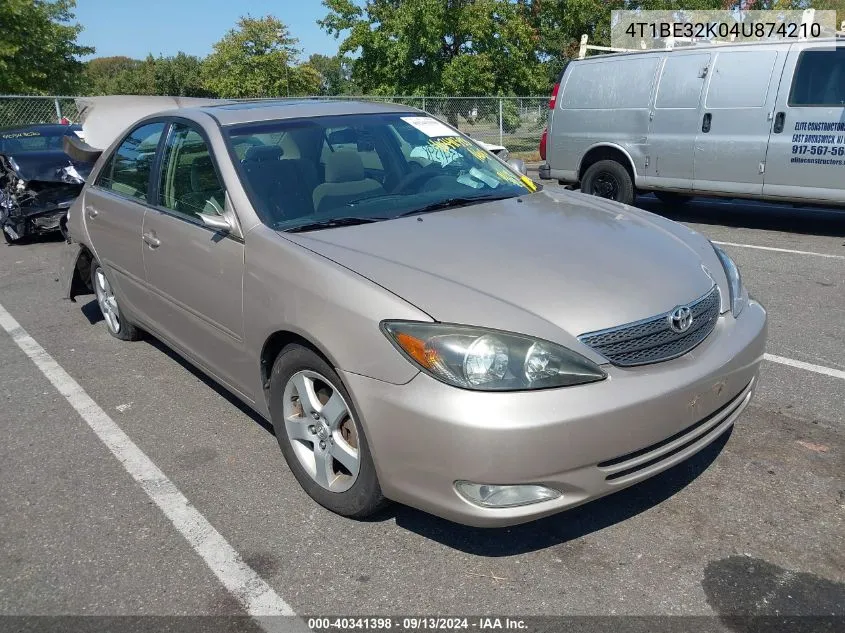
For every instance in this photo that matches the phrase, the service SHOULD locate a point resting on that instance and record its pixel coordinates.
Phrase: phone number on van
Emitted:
(818, 150)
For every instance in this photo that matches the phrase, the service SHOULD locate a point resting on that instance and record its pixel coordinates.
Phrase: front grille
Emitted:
(632, 463)
(653, 340)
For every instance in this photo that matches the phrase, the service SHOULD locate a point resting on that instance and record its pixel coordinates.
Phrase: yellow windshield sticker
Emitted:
(529, 183)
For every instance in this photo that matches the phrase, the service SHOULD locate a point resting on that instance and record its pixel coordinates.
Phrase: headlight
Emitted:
(488, 360)
(739, 296)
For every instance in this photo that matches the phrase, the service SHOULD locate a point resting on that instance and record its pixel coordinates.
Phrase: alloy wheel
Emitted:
(321, 430)
(107, 301)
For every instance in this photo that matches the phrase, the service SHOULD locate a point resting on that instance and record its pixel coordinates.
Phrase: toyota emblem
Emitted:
(681, 319)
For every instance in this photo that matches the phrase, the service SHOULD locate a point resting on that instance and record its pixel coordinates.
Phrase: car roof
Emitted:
(236, 112)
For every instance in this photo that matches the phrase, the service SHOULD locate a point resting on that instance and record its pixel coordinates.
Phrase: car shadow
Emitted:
(208, 381)
(805, 220)
(563, 527)
(92, 312)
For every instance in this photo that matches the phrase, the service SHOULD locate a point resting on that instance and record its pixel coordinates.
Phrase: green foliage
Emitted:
(510, 116)
(178, 76)
(38, 48)
(258, 58)
(335, 74)
(435, 47)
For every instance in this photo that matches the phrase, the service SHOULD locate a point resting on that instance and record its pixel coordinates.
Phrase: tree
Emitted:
(440, 47)
(176, 76)
(258, 58)
(335, 74)
(38, 48)
(111, 75)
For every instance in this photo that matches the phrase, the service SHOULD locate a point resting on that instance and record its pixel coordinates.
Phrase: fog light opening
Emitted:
(504, 496)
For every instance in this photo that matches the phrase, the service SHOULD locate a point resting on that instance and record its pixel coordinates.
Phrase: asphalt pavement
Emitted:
(755, 525)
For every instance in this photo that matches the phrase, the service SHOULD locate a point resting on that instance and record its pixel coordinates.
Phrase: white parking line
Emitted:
(780, 250)
(256, 597)
(800, 364)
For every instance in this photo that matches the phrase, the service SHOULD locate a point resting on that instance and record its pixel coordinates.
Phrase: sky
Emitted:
(135, 28)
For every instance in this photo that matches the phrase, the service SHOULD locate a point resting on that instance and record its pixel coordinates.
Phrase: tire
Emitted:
(672, 198)
(116, 323)
(608, 179)
(301, 428)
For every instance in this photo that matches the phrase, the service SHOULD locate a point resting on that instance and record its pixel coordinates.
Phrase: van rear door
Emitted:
(806, 157)
(733, 130)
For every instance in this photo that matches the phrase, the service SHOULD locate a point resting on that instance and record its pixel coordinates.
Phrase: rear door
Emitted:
(195, 273)
(807, 148)
(733, 131)
(113, 213)
(674, 120)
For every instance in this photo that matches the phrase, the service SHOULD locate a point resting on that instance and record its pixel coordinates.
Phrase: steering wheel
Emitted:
(416, 177)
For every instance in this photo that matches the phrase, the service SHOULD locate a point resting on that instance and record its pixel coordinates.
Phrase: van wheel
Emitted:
(321, 435)
(608, 179)
(672, 198)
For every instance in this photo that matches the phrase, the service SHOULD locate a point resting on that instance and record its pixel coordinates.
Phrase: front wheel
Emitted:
(320, 434)
(608, 179)
(116, 323)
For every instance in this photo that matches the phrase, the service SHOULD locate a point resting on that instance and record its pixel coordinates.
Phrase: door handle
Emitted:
(780, 119)
(92, 212)
(151, 240)
(705, 124)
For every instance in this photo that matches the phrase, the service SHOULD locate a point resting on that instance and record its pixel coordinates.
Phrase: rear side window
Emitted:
(617, 83)
(741, 79)
(189, 182)
(128, 170)
(681, 82)
(819, 79)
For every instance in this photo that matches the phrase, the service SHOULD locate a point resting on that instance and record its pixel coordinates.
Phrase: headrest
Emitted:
(261, 153)
(203, 176)
(344, 166)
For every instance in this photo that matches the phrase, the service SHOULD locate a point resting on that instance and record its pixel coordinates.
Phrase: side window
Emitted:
(128, 170)
(189, 184)
(740, 79)
(819, 79)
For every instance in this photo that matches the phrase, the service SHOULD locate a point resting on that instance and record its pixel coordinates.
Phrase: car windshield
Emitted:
(15, 142)
(308, 174)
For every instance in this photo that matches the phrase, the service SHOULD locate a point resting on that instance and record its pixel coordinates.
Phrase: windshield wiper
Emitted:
(330, 223)
(450, 203)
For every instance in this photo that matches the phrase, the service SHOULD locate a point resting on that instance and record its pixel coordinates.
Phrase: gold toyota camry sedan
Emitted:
(419, 321)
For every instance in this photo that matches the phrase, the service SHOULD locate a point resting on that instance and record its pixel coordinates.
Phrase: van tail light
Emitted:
(553, 98)
(543, 144)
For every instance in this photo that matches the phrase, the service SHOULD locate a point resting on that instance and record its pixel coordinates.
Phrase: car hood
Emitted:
(555, 258)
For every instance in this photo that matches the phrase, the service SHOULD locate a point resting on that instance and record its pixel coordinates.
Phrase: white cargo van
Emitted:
(756, 120)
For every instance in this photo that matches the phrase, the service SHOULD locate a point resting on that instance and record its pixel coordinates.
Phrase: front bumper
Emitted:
(586, 441)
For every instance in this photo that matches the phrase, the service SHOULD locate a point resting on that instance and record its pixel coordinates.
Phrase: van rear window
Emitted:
(616, 83)
(819, 79)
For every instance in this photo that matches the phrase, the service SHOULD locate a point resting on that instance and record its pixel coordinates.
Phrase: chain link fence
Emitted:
(515, 122)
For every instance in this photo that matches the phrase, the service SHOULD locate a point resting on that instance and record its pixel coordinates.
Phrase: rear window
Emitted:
(617, 83)
(819, 79)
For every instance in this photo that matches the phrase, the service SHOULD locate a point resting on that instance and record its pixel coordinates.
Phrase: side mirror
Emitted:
(519, 165)
(214, 221)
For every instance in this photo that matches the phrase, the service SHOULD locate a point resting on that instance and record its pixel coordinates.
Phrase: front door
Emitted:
(674, 120)
(733, 130)
(113, 213)
(195, 273)
(807, 148)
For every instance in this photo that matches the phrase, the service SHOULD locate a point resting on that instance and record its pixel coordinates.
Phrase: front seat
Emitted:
(345, 182)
